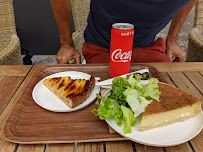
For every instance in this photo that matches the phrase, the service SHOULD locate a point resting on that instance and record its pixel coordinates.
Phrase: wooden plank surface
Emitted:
(14, 70)
(196, 78)
(197, 142)
(174, 77)
(116, 146)
(90, 147)
(185, 147)
(144, 148)
(178, 66)
(185, 84)
(1, 77)
(11, 78)
(30, 148)
(5, 71)
(8, 87)
(60, 147)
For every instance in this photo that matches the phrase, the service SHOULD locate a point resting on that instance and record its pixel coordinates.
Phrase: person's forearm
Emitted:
(62, 11)
(178, 21)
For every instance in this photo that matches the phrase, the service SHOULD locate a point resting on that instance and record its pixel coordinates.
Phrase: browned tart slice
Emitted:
(176, 105)
(71, 92)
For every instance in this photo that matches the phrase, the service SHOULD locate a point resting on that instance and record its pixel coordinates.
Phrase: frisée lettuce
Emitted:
(128, 99)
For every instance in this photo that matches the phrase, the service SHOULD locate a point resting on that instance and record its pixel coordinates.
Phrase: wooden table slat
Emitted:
(184, 84)
(197, 142)
(117, 146)
(144, 148)
(60, 147)
(14, 70)
(178, 66)
(1, 77)
(167, 78)
(30, 148)
(90, 147)
(185, 147)
(8, 87)
(4, 144)
(196, 78)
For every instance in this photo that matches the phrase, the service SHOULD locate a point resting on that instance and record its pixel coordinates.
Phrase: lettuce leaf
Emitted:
(144, 102)
(134, 81)
(151, 90)
(132, 99)
(119, 85)
(109, 108)
(129, 119)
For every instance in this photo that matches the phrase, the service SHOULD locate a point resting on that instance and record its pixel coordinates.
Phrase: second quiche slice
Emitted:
(72, 92)
(176, 105)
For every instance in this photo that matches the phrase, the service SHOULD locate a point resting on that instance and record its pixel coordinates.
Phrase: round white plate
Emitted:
(169, 135)
(47, 100)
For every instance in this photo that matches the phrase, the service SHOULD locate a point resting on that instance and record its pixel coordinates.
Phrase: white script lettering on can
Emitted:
(118, 56)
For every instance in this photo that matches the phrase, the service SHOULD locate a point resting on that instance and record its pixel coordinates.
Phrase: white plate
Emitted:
(47, 100)
(169, 135)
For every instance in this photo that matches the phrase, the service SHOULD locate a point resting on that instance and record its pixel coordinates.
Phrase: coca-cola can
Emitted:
(122, 35)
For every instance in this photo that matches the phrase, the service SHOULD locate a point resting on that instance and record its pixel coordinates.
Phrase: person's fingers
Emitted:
(175, 52)
(181, 56)
(170, 56)
(78, 60)
(68, 55)
(58, 59)
(61, 59)
(180, 59)
(177, 56)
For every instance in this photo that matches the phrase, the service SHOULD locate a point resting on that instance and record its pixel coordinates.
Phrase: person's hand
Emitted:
(66, 53)
(173, 50)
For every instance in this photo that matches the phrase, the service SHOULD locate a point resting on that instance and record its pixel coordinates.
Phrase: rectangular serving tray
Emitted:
(29, 123)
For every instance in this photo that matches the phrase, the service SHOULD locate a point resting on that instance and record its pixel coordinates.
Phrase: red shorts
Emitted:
(154, 52)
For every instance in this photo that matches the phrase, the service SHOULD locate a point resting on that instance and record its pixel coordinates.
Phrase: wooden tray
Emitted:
(29, 123)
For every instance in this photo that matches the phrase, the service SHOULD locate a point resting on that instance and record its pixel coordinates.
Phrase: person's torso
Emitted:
(148, 17)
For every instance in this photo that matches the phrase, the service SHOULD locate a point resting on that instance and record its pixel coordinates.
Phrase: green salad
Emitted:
(128, 99)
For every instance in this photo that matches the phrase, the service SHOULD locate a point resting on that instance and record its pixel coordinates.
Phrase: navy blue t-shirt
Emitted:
(149, 17)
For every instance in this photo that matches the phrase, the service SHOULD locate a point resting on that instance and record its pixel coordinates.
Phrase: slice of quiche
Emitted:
(72, 92)
(176, 105)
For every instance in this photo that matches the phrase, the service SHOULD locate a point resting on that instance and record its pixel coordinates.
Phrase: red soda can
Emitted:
(122, 35)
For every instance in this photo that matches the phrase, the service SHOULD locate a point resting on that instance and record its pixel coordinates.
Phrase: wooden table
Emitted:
(14, 78)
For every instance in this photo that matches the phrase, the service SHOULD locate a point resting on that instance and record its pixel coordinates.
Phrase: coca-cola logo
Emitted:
(119, 56)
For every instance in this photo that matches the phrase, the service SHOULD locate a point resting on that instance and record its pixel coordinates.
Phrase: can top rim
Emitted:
(123, 26)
